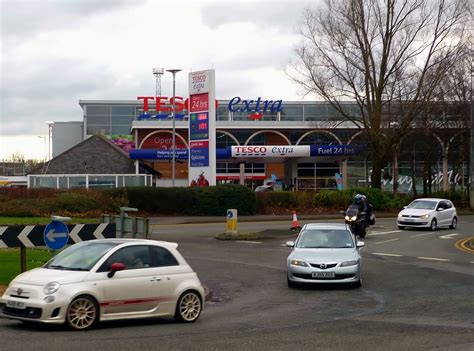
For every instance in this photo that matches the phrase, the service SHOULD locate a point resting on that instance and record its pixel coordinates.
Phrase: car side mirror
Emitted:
(405, 207)
(439, 209)
(115, 267)
(290, 243)
(360, 244)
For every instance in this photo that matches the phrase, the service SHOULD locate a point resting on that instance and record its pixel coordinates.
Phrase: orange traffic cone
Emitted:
(295, 225)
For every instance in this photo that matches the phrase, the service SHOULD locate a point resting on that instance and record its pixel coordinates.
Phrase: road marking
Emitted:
(463, 244)
(248, 241)
(448, 236)
(385, 254)
(386, 241)
(384, 233)
(434, 259)
(414, 236)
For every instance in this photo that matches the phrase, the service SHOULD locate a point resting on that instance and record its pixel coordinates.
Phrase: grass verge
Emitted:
(240, 236)
(5, 221)
(10, 262)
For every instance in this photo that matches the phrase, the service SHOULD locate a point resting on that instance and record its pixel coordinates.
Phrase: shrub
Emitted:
(453, 195)
(332, 198)
(271, 201)
(304, 199)
(19, 208)
(216, 200)
(70, 202)
(159, 200)
(382, 200)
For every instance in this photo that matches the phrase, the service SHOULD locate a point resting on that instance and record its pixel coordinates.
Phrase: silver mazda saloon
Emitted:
(325, 253)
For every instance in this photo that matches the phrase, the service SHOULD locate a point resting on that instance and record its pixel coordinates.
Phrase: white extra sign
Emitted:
(271, 151)
(199, 82)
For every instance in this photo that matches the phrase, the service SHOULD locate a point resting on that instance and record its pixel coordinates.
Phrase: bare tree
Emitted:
(386, 55)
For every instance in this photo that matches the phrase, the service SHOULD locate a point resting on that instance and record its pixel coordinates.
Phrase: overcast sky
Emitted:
(56, 52)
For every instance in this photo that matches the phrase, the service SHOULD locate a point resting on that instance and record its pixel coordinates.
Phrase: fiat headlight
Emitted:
(298, 263)
(426, 216)
(51, 288)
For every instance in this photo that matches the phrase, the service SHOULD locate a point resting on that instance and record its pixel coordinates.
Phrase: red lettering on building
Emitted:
(250, 149)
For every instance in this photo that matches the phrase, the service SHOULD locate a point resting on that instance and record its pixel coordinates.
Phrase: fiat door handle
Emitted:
(155, 279)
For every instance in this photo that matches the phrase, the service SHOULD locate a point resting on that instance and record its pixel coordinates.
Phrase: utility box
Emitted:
(134, 227)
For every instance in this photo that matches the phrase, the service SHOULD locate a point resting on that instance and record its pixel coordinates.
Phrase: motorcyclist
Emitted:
(363, 205)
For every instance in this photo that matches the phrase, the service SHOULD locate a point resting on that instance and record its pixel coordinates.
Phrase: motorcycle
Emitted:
(356, 220)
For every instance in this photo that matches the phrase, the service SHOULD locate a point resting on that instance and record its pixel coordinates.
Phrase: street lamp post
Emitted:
(50, 136)
(44, 139)
(173, 160)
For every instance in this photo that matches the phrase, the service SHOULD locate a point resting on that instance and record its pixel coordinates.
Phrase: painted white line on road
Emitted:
(386, 241)
(248, 242)
(448, 236)
(384, 233)
(434, 259)
(414, 236)
(385, 254)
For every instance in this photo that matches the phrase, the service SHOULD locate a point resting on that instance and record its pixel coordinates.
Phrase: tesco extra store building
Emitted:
(306, 145)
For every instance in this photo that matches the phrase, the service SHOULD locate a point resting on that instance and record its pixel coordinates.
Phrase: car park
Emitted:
(324, 253)
(106, 279)
(428, 213)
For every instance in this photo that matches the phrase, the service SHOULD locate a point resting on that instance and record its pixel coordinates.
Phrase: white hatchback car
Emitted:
(428, 213)
(107, 279)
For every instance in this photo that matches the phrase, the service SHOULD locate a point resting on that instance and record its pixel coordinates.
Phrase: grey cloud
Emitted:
(283, 15)
(274, 56)
(49, 91)
(19, 18)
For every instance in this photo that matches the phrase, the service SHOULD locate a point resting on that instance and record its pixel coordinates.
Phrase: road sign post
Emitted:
(56, 234)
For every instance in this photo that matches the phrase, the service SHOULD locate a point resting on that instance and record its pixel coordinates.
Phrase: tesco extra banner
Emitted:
(271, 151)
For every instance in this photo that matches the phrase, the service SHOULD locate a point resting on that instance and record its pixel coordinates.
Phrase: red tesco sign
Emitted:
(250, 149)
(178, 102)
(161, 100)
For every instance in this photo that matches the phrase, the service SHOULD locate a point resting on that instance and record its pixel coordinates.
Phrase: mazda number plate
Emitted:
(323, 274)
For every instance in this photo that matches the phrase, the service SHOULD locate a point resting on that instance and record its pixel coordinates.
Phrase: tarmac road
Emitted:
(417, 294)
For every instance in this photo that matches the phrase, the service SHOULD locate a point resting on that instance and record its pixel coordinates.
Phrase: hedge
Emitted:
(382, 200)
(210, 201)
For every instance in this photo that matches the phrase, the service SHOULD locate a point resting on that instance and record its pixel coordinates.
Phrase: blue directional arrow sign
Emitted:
(56, 235)
(230, 214)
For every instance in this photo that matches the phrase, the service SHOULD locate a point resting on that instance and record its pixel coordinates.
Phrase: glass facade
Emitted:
(115, 118)
(314, 176)
(89, 181)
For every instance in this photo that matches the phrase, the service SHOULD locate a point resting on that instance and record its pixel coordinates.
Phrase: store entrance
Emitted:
(317, 175)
